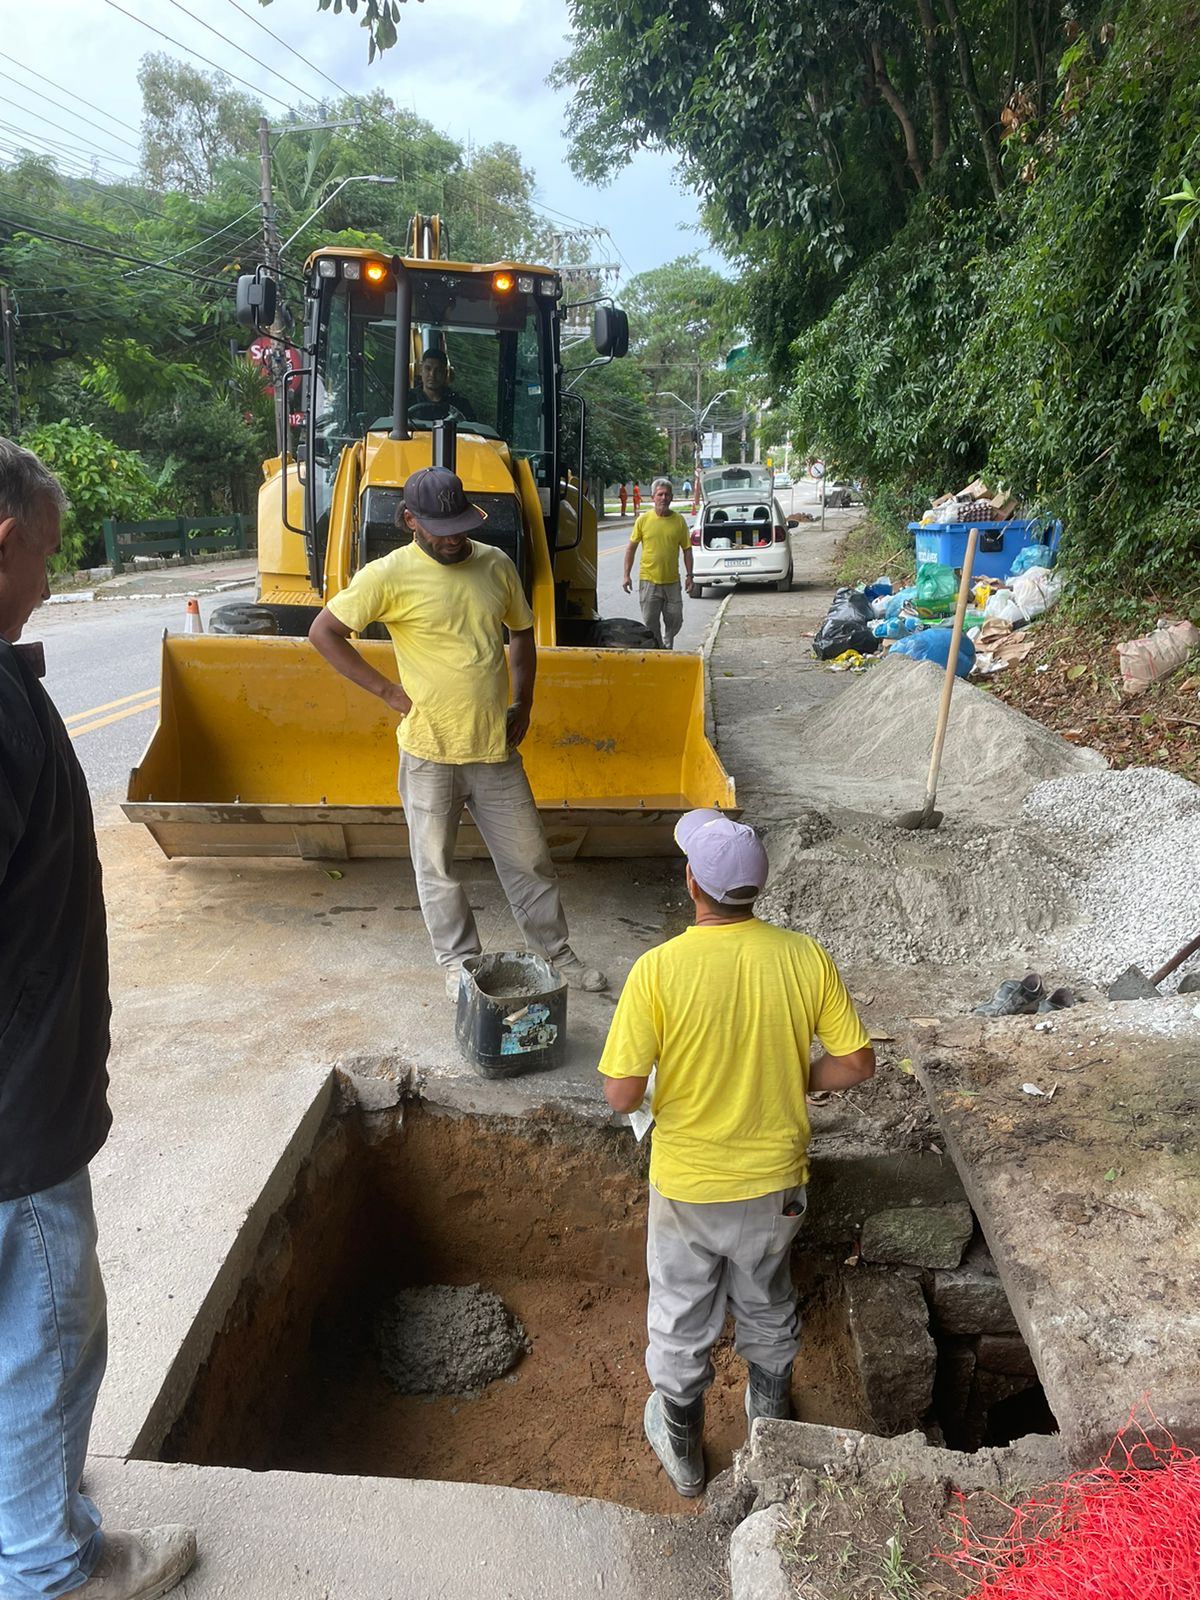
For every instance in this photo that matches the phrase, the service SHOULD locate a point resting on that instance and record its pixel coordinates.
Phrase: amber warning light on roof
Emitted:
(375, 271)
(502, 282)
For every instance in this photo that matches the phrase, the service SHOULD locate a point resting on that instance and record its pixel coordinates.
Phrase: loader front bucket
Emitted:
(262, 749)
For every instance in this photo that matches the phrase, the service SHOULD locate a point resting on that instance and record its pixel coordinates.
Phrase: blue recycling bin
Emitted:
(999, 542)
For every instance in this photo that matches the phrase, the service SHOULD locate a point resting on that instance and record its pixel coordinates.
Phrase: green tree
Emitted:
(192, 121)
(101, 480)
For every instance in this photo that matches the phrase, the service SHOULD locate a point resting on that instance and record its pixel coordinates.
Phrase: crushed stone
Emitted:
(960, 897)
(868, 748)
(443, 1339)
(1135, 839)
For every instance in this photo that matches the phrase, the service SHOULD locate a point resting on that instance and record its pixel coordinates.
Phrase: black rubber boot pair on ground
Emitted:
(675, 1433)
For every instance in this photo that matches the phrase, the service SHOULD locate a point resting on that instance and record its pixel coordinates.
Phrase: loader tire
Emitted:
(623, 633)
(244, 619)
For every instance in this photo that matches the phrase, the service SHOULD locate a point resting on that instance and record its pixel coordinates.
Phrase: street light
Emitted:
(368, 177)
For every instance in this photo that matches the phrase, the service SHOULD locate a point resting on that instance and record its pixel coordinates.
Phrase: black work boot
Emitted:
(768, 1394)
(674, 1434)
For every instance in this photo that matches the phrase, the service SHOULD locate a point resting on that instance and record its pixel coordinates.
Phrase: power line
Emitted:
(69, 92)
(107, 132)
(241, 49)
(30, 140)
(37, 231)
(245, 82)
(310, 64)
(109, 155)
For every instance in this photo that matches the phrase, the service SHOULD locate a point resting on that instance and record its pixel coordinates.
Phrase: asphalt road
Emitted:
(102, 669)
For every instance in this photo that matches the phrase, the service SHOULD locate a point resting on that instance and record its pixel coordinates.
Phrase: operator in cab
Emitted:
(445, 601)
(433, 400)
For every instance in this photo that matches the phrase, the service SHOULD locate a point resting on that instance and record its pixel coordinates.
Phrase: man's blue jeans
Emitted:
(53, 1347)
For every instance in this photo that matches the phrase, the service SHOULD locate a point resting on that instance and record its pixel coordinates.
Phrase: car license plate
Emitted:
(739, 561)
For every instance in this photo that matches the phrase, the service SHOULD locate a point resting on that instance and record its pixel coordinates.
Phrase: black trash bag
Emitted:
(847, 626)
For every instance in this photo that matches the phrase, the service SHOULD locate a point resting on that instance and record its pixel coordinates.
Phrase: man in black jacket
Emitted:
(54, 1116)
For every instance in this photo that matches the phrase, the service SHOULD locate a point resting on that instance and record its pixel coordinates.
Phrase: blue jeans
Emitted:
(53, 1347)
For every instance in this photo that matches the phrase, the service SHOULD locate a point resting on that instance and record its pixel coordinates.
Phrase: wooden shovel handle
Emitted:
(960, 611)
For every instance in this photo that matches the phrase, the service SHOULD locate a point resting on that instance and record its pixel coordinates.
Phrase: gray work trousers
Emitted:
(704, 1258)
(502, 806)
(662, 609)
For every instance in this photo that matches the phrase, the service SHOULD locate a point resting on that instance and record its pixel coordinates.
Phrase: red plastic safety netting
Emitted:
(1128, 1529)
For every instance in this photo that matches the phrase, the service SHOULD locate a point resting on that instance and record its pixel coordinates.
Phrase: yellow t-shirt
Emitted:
(444, 624)
(728, 1012)
(661, 539)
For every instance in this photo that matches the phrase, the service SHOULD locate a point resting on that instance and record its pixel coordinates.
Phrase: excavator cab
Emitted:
(411, 361)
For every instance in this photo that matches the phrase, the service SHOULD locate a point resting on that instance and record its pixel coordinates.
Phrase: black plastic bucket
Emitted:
(512, 1014)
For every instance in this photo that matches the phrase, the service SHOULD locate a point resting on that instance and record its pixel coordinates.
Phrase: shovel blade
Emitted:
(914, 821)
(1133, 984)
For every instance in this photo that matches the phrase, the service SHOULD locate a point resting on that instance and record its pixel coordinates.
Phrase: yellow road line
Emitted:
(109, 705)
(117, 716)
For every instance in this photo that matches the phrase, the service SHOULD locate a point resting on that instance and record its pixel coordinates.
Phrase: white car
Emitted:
(736, 540)
(783, 480)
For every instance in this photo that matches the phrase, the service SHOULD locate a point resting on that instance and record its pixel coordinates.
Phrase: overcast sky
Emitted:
(474, 68)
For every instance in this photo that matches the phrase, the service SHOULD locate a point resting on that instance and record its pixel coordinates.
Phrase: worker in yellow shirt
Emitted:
(445, 599)
(726, 1014)
(662, 534)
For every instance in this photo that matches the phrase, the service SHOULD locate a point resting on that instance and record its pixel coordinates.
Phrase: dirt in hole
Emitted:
(552, 1220)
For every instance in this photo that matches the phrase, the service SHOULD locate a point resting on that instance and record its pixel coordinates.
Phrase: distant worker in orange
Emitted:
(637, 497)
(623, 497)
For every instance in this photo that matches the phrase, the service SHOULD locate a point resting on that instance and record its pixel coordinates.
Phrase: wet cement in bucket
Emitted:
(514, 976)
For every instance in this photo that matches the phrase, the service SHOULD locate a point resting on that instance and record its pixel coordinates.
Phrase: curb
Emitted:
(706, 650)
(74, 597)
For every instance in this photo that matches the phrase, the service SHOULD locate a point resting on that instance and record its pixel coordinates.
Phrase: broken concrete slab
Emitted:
(895, 1356)
(850, 1183)
(918, 1236)
(782, 1452)
(1088, 1200)
(756, 1569)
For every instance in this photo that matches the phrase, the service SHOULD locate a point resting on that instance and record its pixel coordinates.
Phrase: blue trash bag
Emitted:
(899, 599)
(1032, 555)
(881, 586)
(934, 645)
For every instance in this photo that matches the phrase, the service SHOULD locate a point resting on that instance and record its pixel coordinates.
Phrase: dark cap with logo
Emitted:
(435, 497)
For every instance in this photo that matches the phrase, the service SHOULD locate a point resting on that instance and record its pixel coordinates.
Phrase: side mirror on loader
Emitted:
(610, 331)
(256, 300)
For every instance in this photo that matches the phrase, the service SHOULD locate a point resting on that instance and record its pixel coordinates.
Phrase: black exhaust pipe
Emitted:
(445, 443)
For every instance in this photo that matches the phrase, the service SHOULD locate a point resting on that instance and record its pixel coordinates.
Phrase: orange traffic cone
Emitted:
(191, 621)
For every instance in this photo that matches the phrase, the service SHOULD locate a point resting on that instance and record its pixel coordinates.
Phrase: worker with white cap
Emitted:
(727, 1012)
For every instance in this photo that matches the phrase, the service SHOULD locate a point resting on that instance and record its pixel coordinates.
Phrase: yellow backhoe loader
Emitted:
(261, 748)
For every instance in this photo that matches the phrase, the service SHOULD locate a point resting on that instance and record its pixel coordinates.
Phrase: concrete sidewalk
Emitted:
(165, 583)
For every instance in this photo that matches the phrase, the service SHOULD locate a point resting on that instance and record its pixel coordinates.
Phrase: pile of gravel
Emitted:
(965, 896)
(440, 1339)
(868, 748)
(1135, 839)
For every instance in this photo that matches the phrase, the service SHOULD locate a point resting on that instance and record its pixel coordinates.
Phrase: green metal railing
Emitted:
(177, 536)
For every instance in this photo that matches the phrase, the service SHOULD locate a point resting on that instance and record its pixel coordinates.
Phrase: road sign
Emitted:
(712, 445)
(816, 469)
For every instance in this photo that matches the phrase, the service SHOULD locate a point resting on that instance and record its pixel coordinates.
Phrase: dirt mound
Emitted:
(439, 1339)
(869, 748)
(963, 898)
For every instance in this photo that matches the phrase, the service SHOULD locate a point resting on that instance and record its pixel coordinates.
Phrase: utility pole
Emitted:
(10, 359)
(276, 364)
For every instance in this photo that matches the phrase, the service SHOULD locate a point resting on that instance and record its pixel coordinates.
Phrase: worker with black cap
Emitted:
(445, 600)
(726, 1014)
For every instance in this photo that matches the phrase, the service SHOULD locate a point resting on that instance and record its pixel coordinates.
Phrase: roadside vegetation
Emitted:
(969, 242)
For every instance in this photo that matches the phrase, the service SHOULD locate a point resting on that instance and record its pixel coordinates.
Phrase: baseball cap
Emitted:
(436, 498)
(724, 855)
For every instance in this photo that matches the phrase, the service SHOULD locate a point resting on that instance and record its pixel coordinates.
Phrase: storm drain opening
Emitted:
(461, 1298)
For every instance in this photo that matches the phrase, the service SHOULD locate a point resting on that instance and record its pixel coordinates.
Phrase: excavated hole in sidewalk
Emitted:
(548, 1215)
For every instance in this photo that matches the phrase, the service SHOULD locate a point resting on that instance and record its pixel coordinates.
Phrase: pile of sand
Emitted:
(868, 749)
(964, 898)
